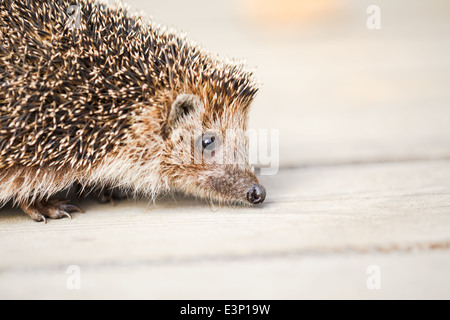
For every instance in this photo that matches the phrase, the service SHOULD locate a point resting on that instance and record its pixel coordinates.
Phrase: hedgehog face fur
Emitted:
(201, 145)
(115, 102)
(207, 156)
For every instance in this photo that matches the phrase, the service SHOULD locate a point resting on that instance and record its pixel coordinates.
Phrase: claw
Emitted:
(43, 218)
(71, 208)
(67, 215)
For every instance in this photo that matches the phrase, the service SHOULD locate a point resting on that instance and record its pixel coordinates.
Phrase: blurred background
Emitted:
(337, 90)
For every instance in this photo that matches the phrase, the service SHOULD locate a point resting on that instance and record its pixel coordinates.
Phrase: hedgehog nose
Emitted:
(256, 194)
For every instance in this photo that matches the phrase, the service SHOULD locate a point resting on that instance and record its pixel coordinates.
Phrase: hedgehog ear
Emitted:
(184, 105)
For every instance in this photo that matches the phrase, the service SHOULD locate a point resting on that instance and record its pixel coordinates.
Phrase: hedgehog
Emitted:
(94, 96)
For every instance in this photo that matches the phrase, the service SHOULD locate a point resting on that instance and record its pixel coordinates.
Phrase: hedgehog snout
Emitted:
(256, 194)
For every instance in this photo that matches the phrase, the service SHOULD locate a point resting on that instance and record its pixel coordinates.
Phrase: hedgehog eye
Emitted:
(208, 145)
(208, 142)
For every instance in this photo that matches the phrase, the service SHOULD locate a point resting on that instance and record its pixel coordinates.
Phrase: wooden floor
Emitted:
(359, 209)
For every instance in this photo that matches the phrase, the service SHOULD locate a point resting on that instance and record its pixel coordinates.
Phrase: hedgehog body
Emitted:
(102, 99)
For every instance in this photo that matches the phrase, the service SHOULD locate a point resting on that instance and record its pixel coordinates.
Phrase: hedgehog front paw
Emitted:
(110, 196)
(102, 195)
(55, 209)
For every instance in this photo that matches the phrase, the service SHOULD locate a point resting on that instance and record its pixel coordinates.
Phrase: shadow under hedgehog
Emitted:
(105, 101)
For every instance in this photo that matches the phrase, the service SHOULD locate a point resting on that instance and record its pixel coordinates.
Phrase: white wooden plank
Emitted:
(327, 208)
(402, 276)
